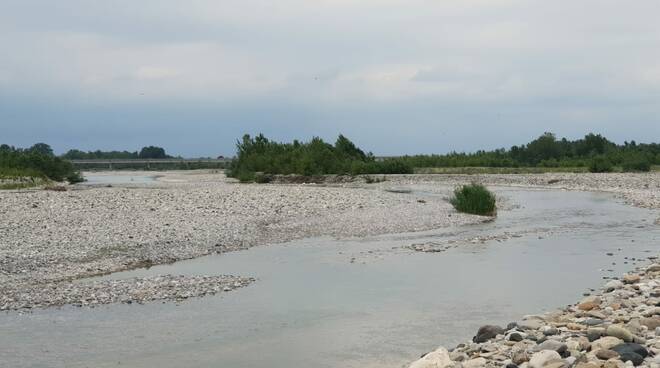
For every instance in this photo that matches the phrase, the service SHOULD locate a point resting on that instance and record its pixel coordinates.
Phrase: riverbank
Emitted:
(50, 239)
(616, 328)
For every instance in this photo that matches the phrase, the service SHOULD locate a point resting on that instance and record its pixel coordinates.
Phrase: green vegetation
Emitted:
(316, 157)
(600, 164)
(145, 153)
(497, 170)
(25, 167)
(474, 199)
(549, 152)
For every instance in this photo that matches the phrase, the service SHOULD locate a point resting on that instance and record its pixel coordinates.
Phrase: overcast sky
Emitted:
(395, 76)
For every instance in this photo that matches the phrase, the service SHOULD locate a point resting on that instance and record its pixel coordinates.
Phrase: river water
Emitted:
(368, 302)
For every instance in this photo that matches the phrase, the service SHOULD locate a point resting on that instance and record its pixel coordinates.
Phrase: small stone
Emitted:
(519, 357)
(475, 363)
(604, 354)
(435, 359)
(631, 279)
(555, 345)
(593, 322)
(650, 322)
(515, 336)
(620, 332)
(544, 358)
(549, 330)
(595, 333)
(631, 352)
(574, 326)
(605, 343)
(613, 285)
(487, 332)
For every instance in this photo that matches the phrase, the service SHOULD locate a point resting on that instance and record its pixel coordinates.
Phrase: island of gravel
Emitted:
(50, 241)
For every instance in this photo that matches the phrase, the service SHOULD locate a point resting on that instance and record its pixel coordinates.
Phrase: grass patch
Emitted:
(474, 199)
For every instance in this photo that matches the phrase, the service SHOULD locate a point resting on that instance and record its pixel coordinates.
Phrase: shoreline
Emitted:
(618, 327)
(59, 237)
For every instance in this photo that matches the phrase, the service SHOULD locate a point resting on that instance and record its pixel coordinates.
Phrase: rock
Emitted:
(631, 278)
(605, 343)
(587, 365)
(620, 332)
(653, 268)
(596, 333)
(475, 363)
(613, 285)
(555, 345)
(515, 336)
(435, 359)
(631, 352)
(587, 306)
(606, 354)
(545, 359)
(574, 326)
(530, 324)
(549, 330)
(593, 322)
(631, 347)
(519, 357)
(487, 332)
(651, 322)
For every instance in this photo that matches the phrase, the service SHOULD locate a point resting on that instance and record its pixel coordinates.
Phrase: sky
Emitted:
(395, 76)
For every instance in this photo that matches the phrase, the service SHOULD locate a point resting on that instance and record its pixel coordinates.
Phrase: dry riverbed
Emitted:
(49, 240)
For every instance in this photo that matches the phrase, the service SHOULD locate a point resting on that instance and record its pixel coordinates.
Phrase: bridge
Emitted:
(110, 163)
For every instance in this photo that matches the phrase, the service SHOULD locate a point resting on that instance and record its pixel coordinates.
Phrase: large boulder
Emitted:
(435, 359)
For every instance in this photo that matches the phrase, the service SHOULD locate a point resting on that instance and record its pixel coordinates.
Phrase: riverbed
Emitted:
(355, 302)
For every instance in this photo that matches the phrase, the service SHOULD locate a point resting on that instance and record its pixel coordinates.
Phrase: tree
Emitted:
(152, 152)
(41, 149)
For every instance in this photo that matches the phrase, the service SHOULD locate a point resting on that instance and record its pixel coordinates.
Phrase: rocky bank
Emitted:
(617, 328)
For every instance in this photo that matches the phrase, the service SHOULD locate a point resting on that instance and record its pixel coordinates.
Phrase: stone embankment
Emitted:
(618, 328)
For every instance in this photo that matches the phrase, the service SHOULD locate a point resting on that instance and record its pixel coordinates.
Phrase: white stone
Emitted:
(543, 357)
(435, 359)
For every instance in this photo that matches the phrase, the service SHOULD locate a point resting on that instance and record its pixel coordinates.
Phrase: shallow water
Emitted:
(353, 303)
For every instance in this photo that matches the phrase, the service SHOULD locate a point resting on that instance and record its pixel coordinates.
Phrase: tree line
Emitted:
(149, 152)
(593, 151)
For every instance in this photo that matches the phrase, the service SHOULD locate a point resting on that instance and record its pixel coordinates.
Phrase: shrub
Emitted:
(474, 199)
(262, 178)
(243, 176)
(75, 177)
(636, 164)
(600, 164)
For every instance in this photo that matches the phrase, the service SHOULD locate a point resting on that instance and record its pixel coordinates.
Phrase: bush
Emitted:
(262, 178)
(636, 164)
(75, 177)
(600, 164)
(474, 199)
